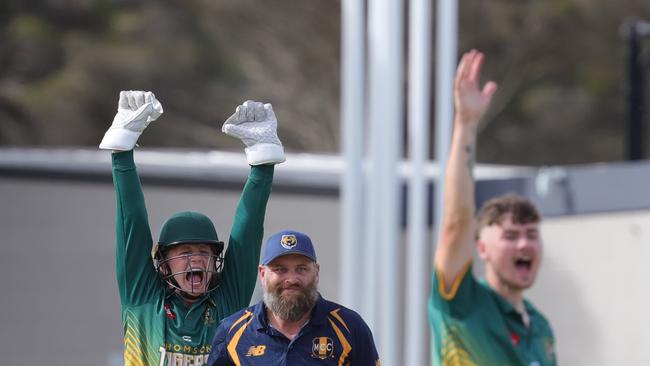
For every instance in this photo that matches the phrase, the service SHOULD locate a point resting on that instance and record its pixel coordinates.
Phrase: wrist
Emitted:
(265, 153)
(119, 139)
(466, 121)
(465, 131)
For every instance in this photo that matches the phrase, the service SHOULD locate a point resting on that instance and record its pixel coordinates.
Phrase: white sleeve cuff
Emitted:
(265, 153)
(119, 139)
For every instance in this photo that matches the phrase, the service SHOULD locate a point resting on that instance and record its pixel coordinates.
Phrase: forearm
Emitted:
(249, 215)
(459, 178)
(457, 226)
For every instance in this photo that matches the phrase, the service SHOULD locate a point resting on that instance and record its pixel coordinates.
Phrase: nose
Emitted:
(523, 242)
(291, 279)
(194, 258)
(528, 242)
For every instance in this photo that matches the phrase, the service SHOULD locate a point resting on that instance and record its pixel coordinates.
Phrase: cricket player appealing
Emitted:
(487, 323)
(174, 295)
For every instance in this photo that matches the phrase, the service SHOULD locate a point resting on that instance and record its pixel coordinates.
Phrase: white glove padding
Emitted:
(255, 124)
(135, 110)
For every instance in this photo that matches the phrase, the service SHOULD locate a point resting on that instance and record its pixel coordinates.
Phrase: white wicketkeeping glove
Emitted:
(135, 110)
(255, 124)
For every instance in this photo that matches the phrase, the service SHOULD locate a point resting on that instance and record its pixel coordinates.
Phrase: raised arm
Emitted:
(256, 125)
(136, 277)
(456, 246)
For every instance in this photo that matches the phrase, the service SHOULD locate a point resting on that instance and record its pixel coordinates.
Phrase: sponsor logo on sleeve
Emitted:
(550, 349)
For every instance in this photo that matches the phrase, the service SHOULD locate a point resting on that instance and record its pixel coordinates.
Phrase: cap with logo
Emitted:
(287, 242)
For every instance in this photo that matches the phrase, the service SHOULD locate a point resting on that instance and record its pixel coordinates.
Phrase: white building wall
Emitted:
(594, 287)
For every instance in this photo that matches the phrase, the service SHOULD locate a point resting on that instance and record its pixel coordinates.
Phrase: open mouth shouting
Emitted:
(525, 267)
(195, 276)
(523, 264)
(196, 279)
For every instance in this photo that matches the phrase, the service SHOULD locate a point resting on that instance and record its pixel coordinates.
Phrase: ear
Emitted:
(481, 248)
(261, 272)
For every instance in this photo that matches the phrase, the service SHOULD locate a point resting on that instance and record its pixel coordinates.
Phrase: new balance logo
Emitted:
(256, 350)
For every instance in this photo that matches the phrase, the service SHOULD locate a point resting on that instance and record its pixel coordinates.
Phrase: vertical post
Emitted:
(447, 36)
(386, 114)
(352, 120)
(634, 134)
(446, 44)
(418, 272)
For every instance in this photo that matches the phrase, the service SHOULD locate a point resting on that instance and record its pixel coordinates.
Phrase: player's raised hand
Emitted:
(255, 124)
(135, 110)
(470, 100)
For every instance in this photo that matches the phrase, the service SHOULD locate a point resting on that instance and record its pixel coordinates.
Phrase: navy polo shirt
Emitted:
(334, 335)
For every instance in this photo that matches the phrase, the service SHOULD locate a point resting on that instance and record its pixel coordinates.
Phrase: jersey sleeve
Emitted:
(364, 352)
(243, 252)
(219, 353)
(547, 336)
(458, 300)
(136, 278)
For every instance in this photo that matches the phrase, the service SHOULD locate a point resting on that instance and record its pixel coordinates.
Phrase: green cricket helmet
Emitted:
(189, 227)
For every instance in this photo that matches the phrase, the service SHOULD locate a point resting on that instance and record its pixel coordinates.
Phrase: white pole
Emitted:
(371, 298)
(386, 108)
(418, 271)
(370, 305)
(352, 120)
(447, 36)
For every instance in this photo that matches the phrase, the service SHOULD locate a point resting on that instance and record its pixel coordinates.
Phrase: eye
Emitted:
(280, 270)
(510, 235)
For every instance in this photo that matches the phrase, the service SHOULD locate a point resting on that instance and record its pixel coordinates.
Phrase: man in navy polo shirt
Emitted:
(293, 324)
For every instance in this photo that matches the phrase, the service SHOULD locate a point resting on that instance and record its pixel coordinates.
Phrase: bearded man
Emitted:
(293, 324)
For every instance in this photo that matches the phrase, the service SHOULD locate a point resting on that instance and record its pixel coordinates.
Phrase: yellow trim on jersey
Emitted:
(133, 351)
(442, 290)
(335, 313)
(131, 355)
(232, 345)
(454, 355)
(346, 345)
(243, 317)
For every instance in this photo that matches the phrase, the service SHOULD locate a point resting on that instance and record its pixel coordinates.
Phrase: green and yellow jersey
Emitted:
(159, 329)
(473, 325)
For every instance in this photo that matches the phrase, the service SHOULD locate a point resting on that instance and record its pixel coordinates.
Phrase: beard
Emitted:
(291, 307)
